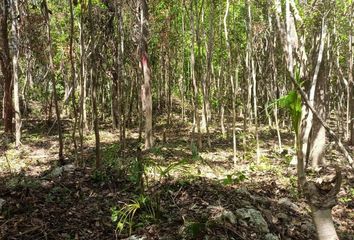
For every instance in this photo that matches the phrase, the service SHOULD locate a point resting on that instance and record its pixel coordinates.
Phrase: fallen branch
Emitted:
(328, 129)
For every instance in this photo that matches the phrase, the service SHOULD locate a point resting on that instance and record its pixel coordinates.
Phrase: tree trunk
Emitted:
(6, 68)
(82, 115)
(324, 224)
(73, 79)
(196, 120)
(252, 73)
(350, 86)
(316, 132)
(206, 80)
(15, 66)
(94, 90)
(146, 97)
(121, 83)
(233, 85)
(53, 79)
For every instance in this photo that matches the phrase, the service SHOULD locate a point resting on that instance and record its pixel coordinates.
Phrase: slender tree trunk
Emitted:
(6, 68)
(16, 38)
(28, 81)
(274, 81)
(94, 90)
(350, 89)
(181, 78)
(222, 80)
(53, 80)
(196, 120)
(82, 113)
(233, 85)
(73, 78)
(198, 64)
(121, 83)
(206, 80)
(146, 96)
(252, 73)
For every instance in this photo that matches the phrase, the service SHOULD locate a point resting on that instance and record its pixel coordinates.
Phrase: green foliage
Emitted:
(292, 103)
(193, 230)
(125, 216)
(178, 166)
(99, 176)
(293, 187)
(22, 182)
(348, 197)
(157, 150)
(58, 194)
(110, 155)
(234, 178)
(195, 152)
(215, 102)
(136, 171)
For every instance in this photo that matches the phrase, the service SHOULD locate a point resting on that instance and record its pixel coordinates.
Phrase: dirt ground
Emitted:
(189, 193)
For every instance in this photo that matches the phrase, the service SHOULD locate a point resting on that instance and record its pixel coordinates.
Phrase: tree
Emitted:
(15, 15)
(6, 67)
(53, 79)
(311, 134)
(93, 75)
(146, 98)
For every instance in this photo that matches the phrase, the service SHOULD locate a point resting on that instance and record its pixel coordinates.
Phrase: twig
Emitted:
(52, 127)
(329, 130)
(29, 230)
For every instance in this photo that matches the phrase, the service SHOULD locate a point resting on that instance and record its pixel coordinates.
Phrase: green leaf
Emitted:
(228, 180)
(120, 226)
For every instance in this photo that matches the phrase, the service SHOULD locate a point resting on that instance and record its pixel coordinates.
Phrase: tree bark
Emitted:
(146, 96)
(233, 85)
(53, 79)
(196, 120)
(6, 68)
(73, 79)
(252, 73)
(350, 85)
(15, 42)
(93, 73)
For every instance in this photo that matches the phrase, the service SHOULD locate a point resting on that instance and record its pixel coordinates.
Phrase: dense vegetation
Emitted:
(176, 119)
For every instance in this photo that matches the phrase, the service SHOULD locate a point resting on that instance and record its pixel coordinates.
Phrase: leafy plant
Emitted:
(193, 230)
(20, 181)
(176, 166)
(293, 187)
(348, 197)
(292, 103)
(136, 171)
(110, 155)
(99, 176)
(156, 150)
(125, 215)
(58, 194)
(234, 178)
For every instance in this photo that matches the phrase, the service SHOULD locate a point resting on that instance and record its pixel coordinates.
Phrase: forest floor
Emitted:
(187, 194)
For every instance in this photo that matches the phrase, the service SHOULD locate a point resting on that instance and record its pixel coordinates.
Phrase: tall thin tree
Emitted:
(5, 63)
(52, 77)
